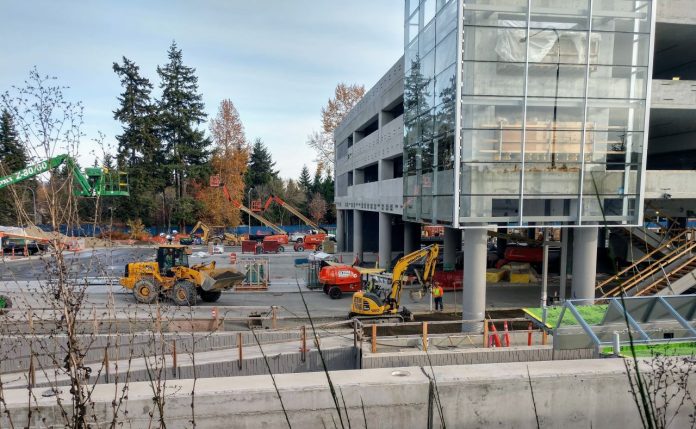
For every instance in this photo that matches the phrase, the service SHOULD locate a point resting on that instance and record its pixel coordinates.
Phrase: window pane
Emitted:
(503, 144)
(444, 118)
(616, 115)
(556, 81)
(620, 49)
(491, 179)
(445, 86)
(446, 21)
(618, 82)
(495, 44)
(491, 112)
(446, 53)
(493, 78)
(428, 11)
(560, 14)
(412, 27)
(426, 39)
(621, 15)
(494, 13)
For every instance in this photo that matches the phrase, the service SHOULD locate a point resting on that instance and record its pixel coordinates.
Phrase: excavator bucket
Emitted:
(221, 279)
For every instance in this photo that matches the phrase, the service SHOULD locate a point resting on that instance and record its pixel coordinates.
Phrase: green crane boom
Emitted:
(93, 182)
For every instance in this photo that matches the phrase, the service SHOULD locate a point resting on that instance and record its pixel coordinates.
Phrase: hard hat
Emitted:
(175, 232)
(161, 234)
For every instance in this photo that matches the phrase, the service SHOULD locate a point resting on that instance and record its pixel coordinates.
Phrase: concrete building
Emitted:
(574, 113)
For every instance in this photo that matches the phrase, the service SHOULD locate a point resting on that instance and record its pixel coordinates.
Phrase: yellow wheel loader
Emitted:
(171, 276)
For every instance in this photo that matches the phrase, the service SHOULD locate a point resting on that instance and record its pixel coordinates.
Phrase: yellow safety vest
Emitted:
(437, 292)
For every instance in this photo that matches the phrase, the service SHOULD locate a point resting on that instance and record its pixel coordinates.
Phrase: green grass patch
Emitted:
(650, 350)
(593, 314)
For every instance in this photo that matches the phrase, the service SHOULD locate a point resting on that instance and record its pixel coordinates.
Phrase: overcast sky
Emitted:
(277, 60)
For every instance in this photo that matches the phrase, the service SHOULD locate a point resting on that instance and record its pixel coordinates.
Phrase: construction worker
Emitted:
(437, 296)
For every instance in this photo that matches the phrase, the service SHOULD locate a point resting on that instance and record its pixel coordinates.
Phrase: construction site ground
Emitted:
(23, 279)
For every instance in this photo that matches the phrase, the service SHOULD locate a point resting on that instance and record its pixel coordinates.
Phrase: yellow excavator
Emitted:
(212, 234)
(172, 277)
(369, 304)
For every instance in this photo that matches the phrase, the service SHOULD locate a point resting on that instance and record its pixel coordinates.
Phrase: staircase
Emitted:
(642, 239)
(667, 269)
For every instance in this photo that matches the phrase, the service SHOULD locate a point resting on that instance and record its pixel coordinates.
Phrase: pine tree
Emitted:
(140, 150)
(12, 158)
(305, 181)
(261, 166)
(316, 183)
(12, 154)
(181, 110)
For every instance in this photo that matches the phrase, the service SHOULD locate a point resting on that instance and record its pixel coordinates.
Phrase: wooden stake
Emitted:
(425, 336)
(32, 374)
(529, 334)
(106, 363)
(544, 337)
(174, 365)
(303, 343)
(274, 316)
(374, 338)
(30, 318)
(95, 323)
(158, 321)
(485, 333)
(239, 347)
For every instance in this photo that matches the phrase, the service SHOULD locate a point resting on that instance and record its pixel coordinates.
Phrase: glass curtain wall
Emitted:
(553, 103)
(429, 110)
(553, 110)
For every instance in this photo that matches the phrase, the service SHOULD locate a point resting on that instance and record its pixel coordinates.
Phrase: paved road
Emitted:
(283, 291)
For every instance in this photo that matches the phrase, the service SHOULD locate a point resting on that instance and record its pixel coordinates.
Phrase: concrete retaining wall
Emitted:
(577, 394)
(15, 352)
(471, 356)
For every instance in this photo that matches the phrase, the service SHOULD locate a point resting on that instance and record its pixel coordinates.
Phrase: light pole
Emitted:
(248, 214)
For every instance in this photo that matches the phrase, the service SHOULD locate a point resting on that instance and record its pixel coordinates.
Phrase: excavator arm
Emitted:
(292, 210)
(251, 213)
(430, 254)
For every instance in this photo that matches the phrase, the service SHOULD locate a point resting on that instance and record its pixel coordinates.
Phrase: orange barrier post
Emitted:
(529, 334)
(496, 338)
(240, 346)
(506, 335)
(374, 339)
(425, 336)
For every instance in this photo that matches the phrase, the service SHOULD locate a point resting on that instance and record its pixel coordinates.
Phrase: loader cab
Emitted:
(171, 256)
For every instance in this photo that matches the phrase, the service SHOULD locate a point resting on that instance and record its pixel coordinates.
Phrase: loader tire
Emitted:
(210, 295)
(183, 293)
(146, 291)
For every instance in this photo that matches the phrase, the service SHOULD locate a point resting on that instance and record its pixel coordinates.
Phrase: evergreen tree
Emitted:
(140, 152)
(305, 181)
(12, 154)
(181, 110)
(316, 183)
(12, 158)
(261, 166)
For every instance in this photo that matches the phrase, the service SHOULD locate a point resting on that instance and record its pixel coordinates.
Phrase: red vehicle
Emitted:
(339, 279)
(310, 242)
(272, 246)
(280, 238)
(532, 255)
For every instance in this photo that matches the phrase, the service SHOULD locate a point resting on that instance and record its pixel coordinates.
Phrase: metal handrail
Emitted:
(655, 283)
(639, 261)
(652, 269)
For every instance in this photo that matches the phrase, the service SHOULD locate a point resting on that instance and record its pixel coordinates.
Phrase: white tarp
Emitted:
(512, 39)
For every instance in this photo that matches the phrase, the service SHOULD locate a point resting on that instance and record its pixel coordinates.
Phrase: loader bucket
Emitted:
(221, 279)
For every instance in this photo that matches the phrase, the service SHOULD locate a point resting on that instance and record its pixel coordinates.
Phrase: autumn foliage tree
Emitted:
(344, 99)
(229, 160)
(317, 207)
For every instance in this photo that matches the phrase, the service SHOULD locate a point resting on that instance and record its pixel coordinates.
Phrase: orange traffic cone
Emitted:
(496, 338)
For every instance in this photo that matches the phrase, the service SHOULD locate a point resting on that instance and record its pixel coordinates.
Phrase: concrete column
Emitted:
(453, 237)
(411, 237)
(340, 231)
(357, 234)
(584, 262)
(385, 240)
(474, 282)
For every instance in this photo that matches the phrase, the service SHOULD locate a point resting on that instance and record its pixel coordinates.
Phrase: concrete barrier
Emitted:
(568, 394)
